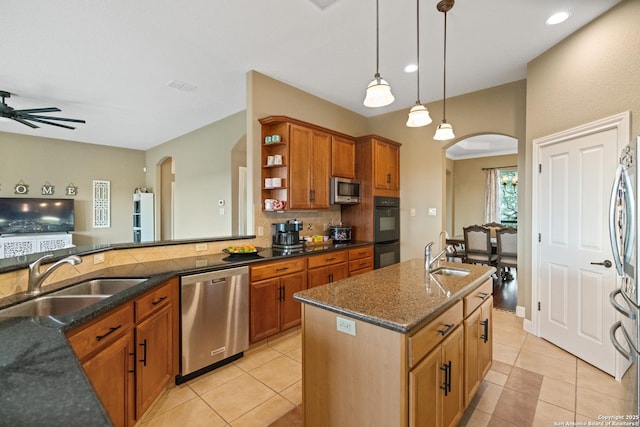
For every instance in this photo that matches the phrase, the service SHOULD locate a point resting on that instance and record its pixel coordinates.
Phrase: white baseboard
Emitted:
(520, 311)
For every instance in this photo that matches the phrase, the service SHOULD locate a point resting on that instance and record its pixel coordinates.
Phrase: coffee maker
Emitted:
(286, 235)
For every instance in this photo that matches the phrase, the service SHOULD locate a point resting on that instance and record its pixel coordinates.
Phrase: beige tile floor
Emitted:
(531, 383)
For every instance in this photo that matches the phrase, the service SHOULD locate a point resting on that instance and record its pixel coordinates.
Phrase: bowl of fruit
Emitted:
(241, 250)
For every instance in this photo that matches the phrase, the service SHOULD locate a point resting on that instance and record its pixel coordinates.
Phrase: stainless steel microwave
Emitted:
(345, 191)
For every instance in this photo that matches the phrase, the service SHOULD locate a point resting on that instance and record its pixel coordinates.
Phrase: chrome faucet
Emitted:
(428, 261)
(36, 278)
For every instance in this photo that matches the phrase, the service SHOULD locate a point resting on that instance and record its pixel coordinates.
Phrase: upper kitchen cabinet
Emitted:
(310, 166)
(343, 157)
(379, 163)
(298, 165)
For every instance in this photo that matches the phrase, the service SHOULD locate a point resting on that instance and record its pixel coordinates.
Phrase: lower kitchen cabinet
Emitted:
(130, 353)
(436, 385)
(328, 267)
(360, 260)
(478, 343)
(272, 307)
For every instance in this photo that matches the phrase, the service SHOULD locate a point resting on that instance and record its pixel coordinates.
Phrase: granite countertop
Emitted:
(41, 379)
(402, 297)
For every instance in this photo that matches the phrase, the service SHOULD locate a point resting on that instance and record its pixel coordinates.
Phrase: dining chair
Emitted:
(493, 227)
(477, 243)
(507, 243)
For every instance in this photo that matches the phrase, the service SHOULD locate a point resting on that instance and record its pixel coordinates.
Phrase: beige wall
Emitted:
(499, 110)
(204, 161)
(469, 188)
(592, 74)
(37, 160)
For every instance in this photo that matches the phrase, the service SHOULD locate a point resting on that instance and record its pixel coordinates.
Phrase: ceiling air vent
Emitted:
(177, 84)
(323, 4)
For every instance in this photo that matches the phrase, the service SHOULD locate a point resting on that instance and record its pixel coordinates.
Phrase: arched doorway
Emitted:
(166, 191)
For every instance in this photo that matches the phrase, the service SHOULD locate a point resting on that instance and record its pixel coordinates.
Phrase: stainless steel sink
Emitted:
(104, 286)
(50, 305)
(450, 271)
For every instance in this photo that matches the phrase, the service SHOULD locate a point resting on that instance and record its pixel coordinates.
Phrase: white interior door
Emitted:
(574, 185)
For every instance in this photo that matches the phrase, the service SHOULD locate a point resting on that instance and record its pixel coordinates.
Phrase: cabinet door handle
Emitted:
(483, 295)
(284, 296)
(282, 269)
(109, 332)
(144, 353)
(133, 371)
(485, 335)
(447, 328)
(158, 301)
(330, 259)
(446, 386)
(388, 178)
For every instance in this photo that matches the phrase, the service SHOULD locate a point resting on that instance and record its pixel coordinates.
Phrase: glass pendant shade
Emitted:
(444, 132)
(418, 116)
(378, 93)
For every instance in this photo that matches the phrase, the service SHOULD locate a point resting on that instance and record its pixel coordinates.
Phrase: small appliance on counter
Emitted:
(340, 233)
(286, 235)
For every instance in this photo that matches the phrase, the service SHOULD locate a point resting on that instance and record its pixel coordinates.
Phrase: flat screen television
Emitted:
(20, 215)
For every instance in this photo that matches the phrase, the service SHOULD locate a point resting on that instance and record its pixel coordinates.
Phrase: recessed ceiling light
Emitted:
(557, 18)
(411, 68)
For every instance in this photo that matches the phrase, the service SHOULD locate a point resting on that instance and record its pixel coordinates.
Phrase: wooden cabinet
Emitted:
(131, 353)
(436, 385)
(105, 348)
(156, 343)
(328, 267)
(272, 307)
(309, 170)
(343, 157)
(386, 168)
(478, 338)
(308, 156)
(378, 169)
(360, 260)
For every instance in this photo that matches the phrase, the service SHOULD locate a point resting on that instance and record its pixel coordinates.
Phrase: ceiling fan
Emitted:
(30, 114)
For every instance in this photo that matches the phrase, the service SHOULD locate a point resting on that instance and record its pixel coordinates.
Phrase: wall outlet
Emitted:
(260, 230)
(346, 325)
(98, 258)
(432, 211)
(201, 247)
(201, 263)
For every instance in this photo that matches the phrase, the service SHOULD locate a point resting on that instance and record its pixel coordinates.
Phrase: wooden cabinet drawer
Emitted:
(477, 297)
(154, 300)
(329, 258)
(101, 332)
(276, 269)
(360, 264)
(427, 338)
(359, 253)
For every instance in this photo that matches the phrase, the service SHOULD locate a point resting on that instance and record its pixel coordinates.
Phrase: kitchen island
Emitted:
(397, 346)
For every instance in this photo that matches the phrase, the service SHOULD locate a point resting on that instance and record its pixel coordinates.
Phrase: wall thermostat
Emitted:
(220, 202)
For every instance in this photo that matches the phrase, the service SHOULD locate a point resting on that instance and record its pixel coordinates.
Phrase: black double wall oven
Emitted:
(386, 231)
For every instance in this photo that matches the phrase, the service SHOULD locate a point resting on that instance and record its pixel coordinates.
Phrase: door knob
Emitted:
(606, 263)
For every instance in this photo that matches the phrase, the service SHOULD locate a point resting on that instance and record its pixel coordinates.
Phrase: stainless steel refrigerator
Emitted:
(623, 223)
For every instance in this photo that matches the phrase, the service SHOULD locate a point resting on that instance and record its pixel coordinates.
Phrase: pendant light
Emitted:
(444, 131)
(418, 115)
(378, 92)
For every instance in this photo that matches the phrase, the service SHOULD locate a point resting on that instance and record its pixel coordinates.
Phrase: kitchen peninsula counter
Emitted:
(397, 346)
(41, 380)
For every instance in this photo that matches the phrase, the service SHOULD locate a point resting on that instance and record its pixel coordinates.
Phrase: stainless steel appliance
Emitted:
(286, 235)
(340, 233)
(345, 191)
(214, 320)
(386, 231)
(623, 222)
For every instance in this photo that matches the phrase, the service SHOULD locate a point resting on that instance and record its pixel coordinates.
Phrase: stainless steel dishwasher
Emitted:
(214, 320)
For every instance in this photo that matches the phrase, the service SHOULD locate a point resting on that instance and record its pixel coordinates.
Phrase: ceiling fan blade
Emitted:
(48, 123)
(29, 116)
(31, 125)
(39, 110)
